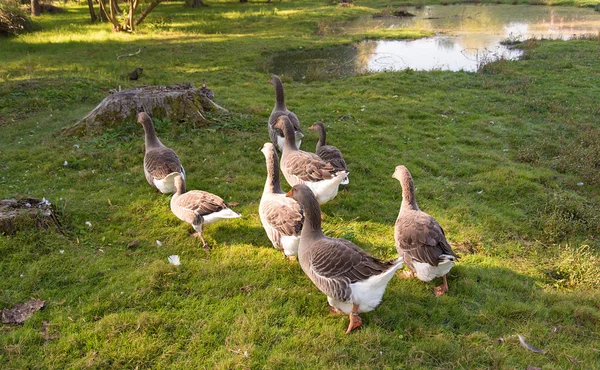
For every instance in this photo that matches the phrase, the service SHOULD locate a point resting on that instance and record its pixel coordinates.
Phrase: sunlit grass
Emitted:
(497, 158)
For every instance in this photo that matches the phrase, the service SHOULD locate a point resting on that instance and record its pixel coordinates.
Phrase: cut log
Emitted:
(26, 213)
(180, 102)
(21, 312)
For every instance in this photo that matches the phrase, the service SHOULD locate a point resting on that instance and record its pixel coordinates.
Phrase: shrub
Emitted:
(13, 19)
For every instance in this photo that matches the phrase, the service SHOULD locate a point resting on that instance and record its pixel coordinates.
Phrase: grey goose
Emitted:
(420, 240)
(353, 280)
(198, 208)
(300, 167)
(328, 153)
(281, 216)
(161, 164)
(280, 109)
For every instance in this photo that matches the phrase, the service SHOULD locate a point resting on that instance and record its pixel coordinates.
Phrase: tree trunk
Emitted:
(92, 11)
(196, 4)
(147, 11)
(35, 8)
(180, 102)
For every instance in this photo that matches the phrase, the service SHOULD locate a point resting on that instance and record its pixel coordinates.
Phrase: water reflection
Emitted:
(471, 37)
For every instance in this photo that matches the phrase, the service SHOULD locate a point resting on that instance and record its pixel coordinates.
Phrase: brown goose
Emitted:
(198, 208)
(282, 217)
(329, 153)
(280, 109)
(161, 164)
(353, 280)
(300, 167)
(420, 240)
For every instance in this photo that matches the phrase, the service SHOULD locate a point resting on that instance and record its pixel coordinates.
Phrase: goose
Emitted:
(353, 280)
(281, 216)
(280, 109)
(420, 240)
(198, 208)
(328, 153)
(300, 167)
(161, 164)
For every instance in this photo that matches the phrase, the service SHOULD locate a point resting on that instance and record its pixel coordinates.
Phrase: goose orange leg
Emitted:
(442, 289)
(198, 234)
(355, 320)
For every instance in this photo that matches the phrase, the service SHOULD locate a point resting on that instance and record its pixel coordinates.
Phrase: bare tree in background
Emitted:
(110, 10)
(35, 8)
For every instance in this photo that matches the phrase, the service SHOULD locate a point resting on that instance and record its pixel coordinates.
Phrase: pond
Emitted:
(467, 36)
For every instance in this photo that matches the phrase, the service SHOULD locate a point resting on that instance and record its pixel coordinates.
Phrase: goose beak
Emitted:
(312, 127)
(289, 193)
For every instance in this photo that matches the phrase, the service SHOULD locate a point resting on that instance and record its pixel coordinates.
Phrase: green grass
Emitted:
(496, 157)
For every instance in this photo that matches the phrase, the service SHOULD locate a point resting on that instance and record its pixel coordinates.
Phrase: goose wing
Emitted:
(200, 202)
(422, 238)
(333, 155)
(284, 215)
(162, 161)
(294, 119)
(308, 167)
(337, 263)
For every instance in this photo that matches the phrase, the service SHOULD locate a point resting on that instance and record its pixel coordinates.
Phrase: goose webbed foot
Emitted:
(442, 289)
(355, 320)
(408, 274)
(334, 311)
(198, 234)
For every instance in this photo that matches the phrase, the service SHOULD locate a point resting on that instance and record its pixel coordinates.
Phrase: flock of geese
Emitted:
(352, 279)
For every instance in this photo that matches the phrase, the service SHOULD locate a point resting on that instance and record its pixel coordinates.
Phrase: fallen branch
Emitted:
(218, 106)
(129, 55)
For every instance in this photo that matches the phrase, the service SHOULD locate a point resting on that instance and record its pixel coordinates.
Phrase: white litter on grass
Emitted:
(174, 260)
(529, 346)
(579, 184)
(159, 243)
(44, 202)
(65, 164)
(88, 223)
(76, 146)
(62, 251)
(480, 192)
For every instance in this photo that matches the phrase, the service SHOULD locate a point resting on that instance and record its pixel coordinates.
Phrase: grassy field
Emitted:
(506, 159)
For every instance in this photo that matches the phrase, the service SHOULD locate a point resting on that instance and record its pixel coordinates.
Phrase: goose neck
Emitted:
(273, 184)
(279, 97)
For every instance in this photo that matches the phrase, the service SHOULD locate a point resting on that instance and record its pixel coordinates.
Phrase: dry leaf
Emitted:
(133, 243)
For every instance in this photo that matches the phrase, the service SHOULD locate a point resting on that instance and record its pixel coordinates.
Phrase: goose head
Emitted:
(317, 126)
(273, 79)
(268, 150)
(403, 175)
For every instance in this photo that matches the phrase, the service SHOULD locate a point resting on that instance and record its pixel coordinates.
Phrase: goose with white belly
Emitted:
(281, 216)
(420, 240)
(281, 109)
(300, 167)
(328, 153)
(161, 164)
(198, 208)
(353, 280)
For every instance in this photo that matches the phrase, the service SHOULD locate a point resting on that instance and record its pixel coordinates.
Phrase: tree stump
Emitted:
(179, 102)
(26, 213)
